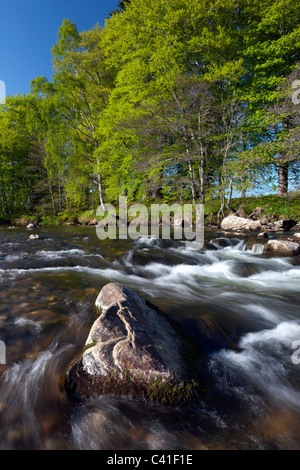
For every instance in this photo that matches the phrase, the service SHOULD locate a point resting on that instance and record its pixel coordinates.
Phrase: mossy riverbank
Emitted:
(272, 207)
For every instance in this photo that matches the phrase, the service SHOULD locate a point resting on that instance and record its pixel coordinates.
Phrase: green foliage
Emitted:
(178, 100)
(273, 207)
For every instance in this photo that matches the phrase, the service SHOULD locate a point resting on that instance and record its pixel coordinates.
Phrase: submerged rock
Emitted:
(225, 242)
(134, 349)
(256, 246)
(210, 336)
(221, 242)
(238, 234)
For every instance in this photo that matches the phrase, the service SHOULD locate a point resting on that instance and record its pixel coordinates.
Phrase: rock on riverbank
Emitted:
(234, 222)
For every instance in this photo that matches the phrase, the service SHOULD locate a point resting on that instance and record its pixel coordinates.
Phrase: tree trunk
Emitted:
(230, 195)
(201, 179)
(192, 183)
(221, 210)
(101, 193)
(223, 187)
(3, 198)
(283, 182)
(60, 203)
(51, 194)
(202, 161)
(99, 181)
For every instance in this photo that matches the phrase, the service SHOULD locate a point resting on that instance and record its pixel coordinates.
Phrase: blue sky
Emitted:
(28, 31)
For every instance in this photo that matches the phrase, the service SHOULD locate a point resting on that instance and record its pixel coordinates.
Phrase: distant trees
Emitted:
(17, 175)
(77, 96)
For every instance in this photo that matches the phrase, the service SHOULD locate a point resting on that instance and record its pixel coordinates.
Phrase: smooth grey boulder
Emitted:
(233, 222)
(134, 349)
(282, 247)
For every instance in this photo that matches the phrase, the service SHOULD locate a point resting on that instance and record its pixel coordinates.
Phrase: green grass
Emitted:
(51, 219)
(275, 207)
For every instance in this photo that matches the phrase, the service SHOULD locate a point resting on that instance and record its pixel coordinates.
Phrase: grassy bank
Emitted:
(271, 207)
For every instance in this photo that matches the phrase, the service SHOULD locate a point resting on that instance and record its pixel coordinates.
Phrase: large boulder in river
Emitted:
(134, 349)
(283, 247)
(233, 222)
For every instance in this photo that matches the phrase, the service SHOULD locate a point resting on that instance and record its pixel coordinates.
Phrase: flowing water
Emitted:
(47, 291)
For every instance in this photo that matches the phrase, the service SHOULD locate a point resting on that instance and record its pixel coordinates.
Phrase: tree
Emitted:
(16, 174)
(272, 51)
(122, 4)
(161, 52)
(78, 94)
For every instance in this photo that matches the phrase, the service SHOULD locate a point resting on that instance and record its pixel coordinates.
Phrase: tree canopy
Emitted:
(178, 100)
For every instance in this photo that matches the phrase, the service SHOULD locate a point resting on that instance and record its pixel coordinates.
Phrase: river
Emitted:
(47, 291)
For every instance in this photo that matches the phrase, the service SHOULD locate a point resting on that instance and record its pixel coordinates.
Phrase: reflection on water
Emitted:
(47, 291)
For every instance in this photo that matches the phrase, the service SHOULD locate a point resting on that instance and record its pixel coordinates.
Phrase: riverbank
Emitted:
(270, 208)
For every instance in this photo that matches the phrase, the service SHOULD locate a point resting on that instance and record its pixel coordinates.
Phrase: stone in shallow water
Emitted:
(134, 349)
(263, 235)
(35, 236)
(210, 335)
(283, 247)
